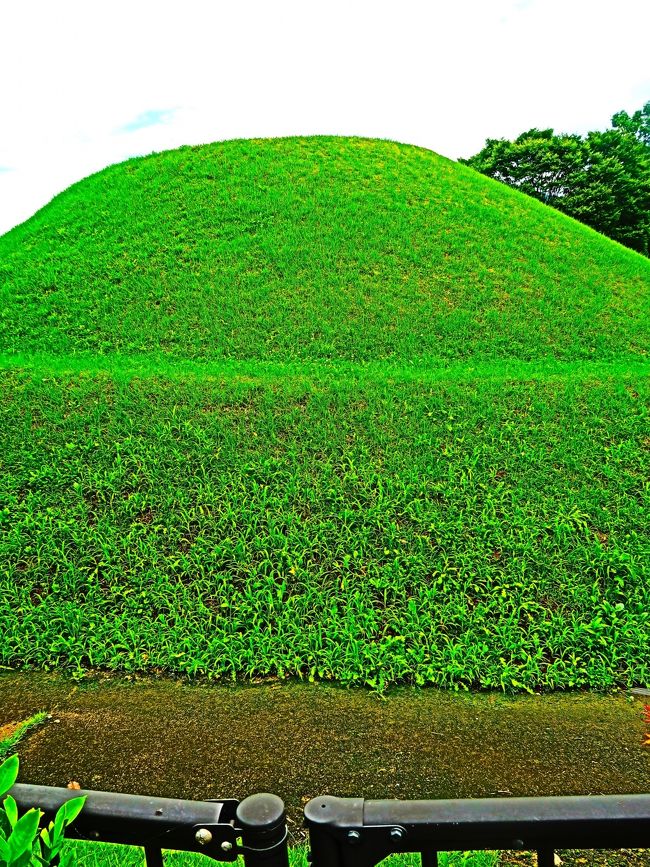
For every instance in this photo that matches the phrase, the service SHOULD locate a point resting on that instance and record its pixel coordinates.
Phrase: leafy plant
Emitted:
(488, 528)
(21, 843)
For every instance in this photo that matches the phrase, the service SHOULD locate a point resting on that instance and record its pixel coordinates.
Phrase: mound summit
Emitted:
(314, 248)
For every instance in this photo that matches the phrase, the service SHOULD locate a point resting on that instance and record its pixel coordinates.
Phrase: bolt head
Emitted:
(396, 834)
(226, 846)
(203, 836)
(354, 837)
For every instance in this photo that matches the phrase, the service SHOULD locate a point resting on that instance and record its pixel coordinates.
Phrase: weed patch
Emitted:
(487, 532)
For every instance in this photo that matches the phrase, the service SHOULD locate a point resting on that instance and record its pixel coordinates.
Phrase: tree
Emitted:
(602, 180)
(613, 193)
(637, 125)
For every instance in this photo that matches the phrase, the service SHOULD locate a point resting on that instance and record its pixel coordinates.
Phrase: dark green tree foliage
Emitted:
(638, 125)
(602, 180)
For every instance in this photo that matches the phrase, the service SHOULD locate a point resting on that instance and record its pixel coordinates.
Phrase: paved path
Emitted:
(301, 740)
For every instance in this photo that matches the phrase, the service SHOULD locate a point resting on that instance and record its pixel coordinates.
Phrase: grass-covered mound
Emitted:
(324, 406)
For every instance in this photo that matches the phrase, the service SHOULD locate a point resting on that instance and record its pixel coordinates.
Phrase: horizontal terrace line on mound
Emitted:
(264, 371)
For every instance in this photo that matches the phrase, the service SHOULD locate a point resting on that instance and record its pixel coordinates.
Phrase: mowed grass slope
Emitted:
(321, 248)
(330, 407)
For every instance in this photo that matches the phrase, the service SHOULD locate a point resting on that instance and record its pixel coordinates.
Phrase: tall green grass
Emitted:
(489, 531)
(105, 855)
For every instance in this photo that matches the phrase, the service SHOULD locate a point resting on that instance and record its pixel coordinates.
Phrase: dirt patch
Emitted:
(8, 730)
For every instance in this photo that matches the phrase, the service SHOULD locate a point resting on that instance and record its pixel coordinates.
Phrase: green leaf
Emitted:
(41, 854)
(23, 860)
(66, 814)
(56, 827)
(46, 845)
(11, 810)
(72, 808)
(24, 832)
(8, 774)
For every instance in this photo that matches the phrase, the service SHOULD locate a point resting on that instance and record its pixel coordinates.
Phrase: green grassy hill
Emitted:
(331, 407)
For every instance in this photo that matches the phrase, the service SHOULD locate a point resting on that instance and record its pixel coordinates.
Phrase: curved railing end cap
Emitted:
(330, 810)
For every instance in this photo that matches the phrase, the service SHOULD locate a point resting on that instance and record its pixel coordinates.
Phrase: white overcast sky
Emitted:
(86, 84)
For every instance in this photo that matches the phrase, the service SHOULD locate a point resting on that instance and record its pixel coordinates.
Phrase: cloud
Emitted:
(5, 169)
(152, 117)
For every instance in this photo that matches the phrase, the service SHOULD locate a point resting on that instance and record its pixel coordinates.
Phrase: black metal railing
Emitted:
(255, 827)
(352, 832)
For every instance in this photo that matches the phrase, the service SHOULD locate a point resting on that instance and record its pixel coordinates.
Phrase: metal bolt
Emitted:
(396, 834)
(203, 836)
(354, 837)
(517, 844)
(226, 846)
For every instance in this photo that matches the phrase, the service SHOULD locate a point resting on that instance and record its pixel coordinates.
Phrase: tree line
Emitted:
(601, 179)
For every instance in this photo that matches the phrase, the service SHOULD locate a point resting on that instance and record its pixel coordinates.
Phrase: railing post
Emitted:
(153, 856)
(546, 857)
(335, 833)
(262, 821)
